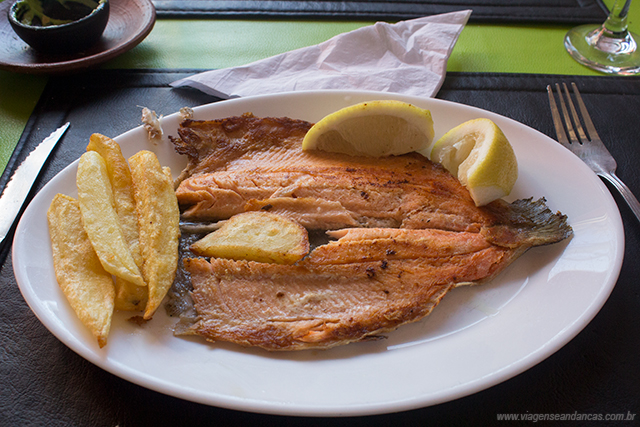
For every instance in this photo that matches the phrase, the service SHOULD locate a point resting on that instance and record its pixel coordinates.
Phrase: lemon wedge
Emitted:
(374, 129)
(479, 154)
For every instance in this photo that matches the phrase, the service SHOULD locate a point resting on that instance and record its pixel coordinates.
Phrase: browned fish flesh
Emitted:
(368, 282)
(280, 307)
(411, 233)
(248, 163)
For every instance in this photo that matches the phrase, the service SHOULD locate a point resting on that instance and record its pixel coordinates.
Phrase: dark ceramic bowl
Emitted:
(73, 37)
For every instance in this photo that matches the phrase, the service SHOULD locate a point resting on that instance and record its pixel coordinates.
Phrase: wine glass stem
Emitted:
(616, 23)
(609, 47)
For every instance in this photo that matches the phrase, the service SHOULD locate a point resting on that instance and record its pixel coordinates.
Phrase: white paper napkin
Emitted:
(409, 57)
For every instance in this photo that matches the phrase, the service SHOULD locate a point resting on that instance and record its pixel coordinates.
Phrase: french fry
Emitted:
(100, 220)
(129, 296)
(85, 283)
(256, 236)
(120, 178)
(158, 219)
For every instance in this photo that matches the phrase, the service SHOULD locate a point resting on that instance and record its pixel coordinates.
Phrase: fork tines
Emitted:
(573, 120)
(590, 149)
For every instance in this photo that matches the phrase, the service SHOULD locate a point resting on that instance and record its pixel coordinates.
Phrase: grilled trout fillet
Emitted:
(248, 163)
(406, 232)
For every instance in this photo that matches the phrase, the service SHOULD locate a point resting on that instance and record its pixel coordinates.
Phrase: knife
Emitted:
(17, 189)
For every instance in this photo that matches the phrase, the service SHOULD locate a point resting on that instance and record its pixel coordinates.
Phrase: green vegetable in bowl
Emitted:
(42, 13)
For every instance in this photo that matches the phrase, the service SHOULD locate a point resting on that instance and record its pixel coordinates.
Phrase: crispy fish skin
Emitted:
(210, 144)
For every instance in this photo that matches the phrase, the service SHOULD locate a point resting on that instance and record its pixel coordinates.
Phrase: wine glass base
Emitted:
(591, 46)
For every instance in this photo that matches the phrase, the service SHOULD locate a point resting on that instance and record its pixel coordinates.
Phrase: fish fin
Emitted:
(526, 223)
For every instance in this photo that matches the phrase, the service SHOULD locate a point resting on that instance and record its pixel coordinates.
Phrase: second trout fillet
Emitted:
(349, 290)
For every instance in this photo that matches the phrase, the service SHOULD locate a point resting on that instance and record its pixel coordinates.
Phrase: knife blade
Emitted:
(19, 186)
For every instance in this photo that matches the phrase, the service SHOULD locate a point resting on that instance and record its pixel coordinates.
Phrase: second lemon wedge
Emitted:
(479, 154)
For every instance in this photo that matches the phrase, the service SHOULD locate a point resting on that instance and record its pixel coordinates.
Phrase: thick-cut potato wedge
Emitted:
(87, 286)
(129, 296)
(101, 221)
(159, 221)
(120, 178)
(256, 236)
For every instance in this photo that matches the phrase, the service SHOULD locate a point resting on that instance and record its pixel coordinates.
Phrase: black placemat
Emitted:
(546, 11)
(595, 375)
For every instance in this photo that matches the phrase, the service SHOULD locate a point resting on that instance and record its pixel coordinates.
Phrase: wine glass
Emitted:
(610, 47)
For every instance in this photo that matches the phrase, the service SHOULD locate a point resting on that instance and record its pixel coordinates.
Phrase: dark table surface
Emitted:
(596, 374)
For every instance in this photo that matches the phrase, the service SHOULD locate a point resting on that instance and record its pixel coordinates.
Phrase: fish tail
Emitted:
(526, 223)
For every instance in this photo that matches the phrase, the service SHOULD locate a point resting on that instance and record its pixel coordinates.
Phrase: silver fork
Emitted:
(587, 147)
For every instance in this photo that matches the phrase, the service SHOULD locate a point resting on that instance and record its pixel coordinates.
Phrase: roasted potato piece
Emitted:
(86, 284)
(129, 296)
(256, 236)
(100, 220)
(159, 222)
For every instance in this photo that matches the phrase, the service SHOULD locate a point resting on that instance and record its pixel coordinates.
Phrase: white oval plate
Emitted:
(477, 337)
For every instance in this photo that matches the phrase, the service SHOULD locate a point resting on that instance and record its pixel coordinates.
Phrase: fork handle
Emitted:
(624, 190)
